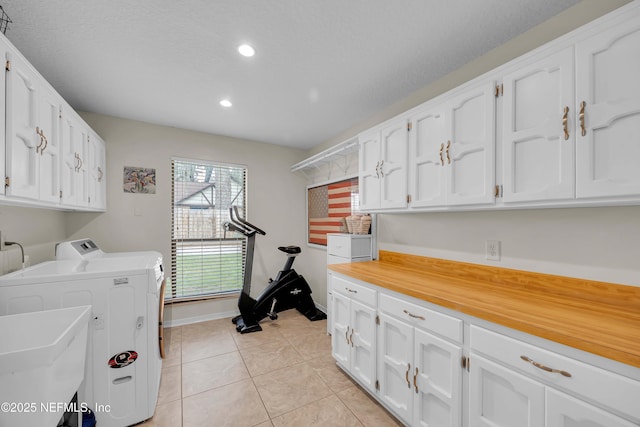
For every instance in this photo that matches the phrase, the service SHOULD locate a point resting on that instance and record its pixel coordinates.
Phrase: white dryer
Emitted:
(124, 353)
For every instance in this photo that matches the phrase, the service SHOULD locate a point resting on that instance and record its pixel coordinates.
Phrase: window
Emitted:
(205, 260)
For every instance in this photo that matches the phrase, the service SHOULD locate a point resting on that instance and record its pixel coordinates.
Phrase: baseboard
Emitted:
(198, 319)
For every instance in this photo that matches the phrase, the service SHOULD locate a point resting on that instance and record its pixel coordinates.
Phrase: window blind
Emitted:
(205, 259)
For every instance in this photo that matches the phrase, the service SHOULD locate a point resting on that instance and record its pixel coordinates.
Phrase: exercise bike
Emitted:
(288, 290)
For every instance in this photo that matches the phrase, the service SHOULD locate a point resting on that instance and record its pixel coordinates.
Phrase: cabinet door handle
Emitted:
(415, 316)
(100, 174)
(381, 171)
(43, 141)
(583, 129)
(415, 380)
(378, 169)
(353, 291)
(565, 123)
(346, 335)
(448, 157)
(406, 375)
(351, 337)
(545, 368)
(441, 158)
(40, 144)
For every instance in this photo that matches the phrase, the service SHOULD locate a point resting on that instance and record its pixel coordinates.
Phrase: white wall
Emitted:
(276, 198)
(600, 243)
(37, 230)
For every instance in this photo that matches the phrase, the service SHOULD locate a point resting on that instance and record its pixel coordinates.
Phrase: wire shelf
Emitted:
(4, 21)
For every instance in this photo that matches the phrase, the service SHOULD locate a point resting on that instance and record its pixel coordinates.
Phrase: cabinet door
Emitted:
(470, 151)
(48, 103)
(608, 150)
(500, 397)
(426, 165)
(538, 155)
(22, 159)
(566, 411)
(369, 172)
(73, 147)
(395, 351)
(3, 117)
(393, 165)
(437, 381)
(363, 338)
(96, 177)
(340, 344)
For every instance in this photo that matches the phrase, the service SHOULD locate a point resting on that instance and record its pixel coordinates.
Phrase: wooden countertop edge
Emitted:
(593, 335)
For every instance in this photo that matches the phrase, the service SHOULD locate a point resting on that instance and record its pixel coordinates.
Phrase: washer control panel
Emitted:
(75, 249)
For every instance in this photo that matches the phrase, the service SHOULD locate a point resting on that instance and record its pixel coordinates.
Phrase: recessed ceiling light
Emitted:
(226, 103)
(246, 50)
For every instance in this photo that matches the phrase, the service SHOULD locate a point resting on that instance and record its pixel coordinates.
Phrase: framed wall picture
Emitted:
(139, 180)
(328, 206)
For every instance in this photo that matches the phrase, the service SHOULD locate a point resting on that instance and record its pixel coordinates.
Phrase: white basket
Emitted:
(358, 224)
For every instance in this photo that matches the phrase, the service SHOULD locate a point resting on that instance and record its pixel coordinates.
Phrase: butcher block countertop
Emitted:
(598, 317)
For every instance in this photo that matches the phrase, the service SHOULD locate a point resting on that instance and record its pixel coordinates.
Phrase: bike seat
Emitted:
(291, 250)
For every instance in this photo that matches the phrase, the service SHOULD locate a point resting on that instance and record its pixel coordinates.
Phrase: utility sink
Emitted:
(42, 358)
(49, 268)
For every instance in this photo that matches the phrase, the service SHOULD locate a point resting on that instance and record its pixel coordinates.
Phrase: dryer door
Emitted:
(161, 318)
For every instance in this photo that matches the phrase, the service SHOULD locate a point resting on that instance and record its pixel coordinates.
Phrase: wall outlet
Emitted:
(492, 250)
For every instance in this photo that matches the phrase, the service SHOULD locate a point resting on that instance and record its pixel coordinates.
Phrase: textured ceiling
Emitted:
(321, 66)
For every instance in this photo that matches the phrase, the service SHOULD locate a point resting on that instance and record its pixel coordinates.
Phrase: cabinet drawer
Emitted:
(422, 317)
(594, 384)
(354, 291)
(349, 245)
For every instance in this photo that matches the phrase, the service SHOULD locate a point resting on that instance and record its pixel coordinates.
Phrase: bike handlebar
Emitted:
(242, 222)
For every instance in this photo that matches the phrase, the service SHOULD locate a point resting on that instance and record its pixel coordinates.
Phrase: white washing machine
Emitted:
(124, 353)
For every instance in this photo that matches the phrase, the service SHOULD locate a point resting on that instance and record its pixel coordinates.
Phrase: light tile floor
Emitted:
(281, 376)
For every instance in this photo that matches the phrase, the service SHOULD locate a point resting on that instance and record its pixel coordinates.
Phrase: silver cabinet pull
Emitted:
(545, 368)
(415, 316)
(406, 375)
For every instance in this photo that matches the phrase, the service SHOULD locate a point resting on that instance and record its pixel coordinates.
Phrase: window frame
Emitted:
(172, 294)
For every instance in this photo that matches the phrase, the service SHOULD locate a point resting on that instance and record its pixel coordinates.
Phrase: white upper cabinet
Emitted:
(427, 178)
(48, 158)
(369, 174)
(452, 150)
(48, 129)
(22, 141)
(383, 166)
(96, 172)
(74, 138)
(538, 134)
(32, 135)
(394, 140)
(471, 152)
(565, 132)
(608, 111)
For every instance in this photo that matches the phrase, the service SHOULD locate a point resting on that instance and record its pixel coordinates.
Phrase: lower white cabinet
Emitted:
(344, 248)
(419, 373)
(500, 397)
(546, 368)
(437, 368)
(566, 411)
(353, 340)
